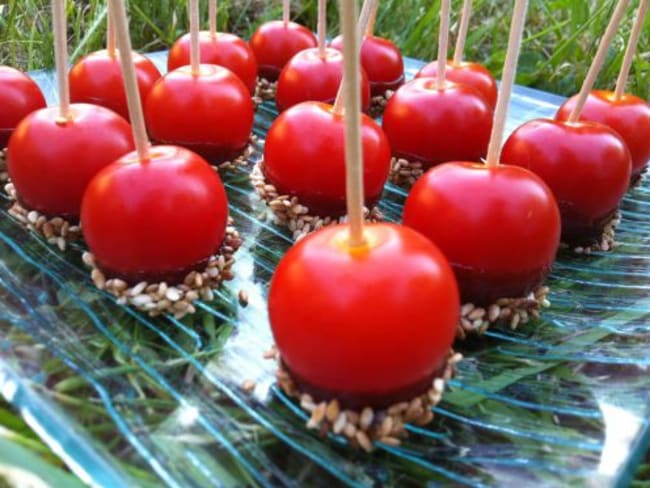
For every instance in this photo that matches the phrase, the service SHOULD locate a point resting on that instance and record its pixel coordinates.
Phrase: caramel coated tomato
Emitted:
(370, 325)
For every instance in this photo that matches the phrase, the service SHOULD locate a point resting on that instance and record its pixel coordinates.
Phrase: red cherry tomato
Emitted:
(382, 61)
(224, 49)
(210, 113)
(275, 43)
(19, 96)
(433, 126)
(97, 79)
(304, 156)
(473, 74)
(156, 219)
(352, 300)
(586, 165)
(629, 116)
(309, 77)
(50, 163)
(499, 227)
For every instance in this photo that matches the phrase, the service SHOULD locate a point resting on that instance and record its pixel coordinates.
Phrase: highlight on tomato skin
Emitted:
(374, 325)
(431, 125)
(154, 220)
(499, 227)
(566, 155)
(473, 74)
(304, 156)
(274, 44)
(382, 61)
(211, 113)
(309, 77)
(629, 116)
(223, 49)
(97, 79)
(19, 96)
(50, 163)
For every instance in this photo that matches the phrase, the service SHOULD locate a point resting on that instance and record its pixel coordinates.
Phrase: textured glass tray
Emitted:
(125, 399)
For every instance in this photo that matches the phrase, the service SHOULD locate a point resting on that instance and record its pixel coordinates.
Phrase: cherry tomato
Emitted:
(50, 163)
(304, 156)
(382, 61)
(224, 49)
(629, 116)
(369, 325)
(499, 227)
(210, 113)
(309, 77)
(433, 126)
(473, 74)
(586, 165)
(274, 44)
(19, 96)
(154, 220)
(97, 79)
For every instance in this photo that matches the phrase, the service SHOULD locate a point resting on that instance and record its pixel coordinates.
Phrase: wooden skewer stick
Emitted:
(462, 32)
(631, 49)
(322, 27)
(61, 58)
(212, 14)
(443, 43)
(195, 50)
(353, 149)
(286, 12)
(110, 34)
(370, 29)
(364, 18)
(130, 79)
(507, 80)
(598, 61)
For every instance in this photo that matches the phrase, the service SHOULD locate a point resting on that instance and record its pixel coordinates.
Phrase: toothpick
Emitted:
(630, 50)
(130, 79)
(286, 12)
(598, 61)
(110, 34)
(212, 14)
(507, 80)
(353, 149)
(370, 29)
(61, 58)
(322, 27)
(462, 32)
(364, 18)
(443, 43)
(195, 52)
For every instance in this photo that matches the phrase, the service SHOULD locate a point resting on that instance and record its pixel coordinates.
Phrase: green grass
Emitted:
(560, 40)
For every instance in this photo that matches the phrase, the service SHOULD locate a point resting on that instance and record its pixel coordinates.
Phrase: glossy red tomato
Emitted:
(274, 44)
(50, 163)
(370, 325)
(473, 74)
(224, 49)
(309, 77)
(97, 79)
(304, 156)
(433, 126)
(499, 227)
(382, 61)
(586, 165)
(629, 116)
(19, 96)
(211, 114)
(154, 220)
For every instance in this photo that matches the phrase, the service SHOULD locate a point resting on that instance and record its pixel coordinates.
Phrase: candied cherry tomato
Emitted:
(369, 325)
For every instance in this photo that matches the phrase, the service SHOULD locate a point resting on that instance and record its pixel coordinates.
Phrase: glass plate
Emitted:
(129, 400)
